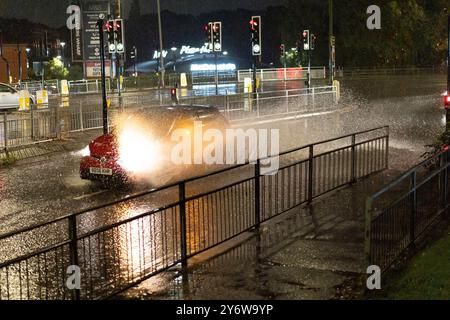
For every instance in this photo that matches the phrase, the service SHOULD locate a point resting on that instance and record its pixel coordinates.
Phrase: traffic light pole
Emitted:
(330, 33)
(309, 69)
(254, 77)
(448, 55)
(216, 75)
(161, 47)
(100, 24)
(448, 74)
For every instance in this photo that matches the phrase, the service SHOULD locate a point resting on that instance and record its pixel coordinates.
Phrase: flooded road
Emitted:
(33, 192)
(44, 189)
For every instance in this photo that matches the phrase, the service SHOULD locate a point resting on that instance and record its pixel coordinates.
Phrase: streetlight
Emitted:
(174, 54)
(330, 44)
(28, 50)
(161, 58)
(63, 44)
(225, 53)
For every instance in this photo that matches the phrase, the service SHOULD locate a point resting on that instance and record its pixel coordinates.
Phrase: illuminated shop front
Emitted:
(199, 61)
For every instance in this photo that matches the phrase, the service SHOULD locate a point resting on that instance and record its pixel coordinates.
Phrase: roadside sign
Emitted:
(41, 98)
(93, 69)
(183, 80)
(91, 36)
(64, 88)
(24, 100)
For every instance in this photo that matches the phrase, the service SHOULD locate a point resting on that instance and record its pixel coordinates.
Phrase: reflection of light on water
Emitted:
(83, 152)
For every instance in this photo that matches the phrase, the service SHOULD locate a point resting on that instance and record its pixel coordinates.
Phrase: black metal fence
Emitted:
(400, 213)
(122, 243)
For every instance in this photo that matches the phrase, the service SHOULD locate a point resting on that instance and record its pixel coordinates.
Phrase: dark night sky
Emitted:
(53, 12)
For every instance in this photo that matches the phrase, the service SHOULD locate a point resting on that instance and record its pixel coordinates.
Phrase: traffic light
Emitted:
(109, 28)
(120, 35)
(255, 28)
(209, 35)
(313, 41)
(306, 39)
(283, 50)
(174, 94)
(217, 36)
(133, 53)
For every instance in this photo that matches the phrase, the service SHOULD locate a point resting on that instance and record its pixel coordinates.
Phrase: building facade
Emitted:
(13, 63)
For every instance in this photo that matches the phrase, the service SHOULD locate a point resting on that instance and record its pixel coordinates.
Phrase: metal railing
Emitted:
(383, 71)
(403, 211)
(119, 244)
(282, 74)
(24, 128)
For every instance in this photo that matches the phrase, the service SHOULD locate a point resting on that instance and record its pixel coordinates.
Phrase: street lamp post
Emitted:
(174, 54)
(330, 34)
(161, 58)
(63, 44)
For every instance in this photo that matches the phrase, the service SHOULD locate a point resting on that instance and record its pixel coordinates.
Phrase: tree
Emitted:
(55, 70)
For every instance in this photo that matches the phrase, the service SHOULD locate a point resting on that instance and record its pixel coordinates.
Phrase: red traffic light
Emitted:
(109, 26)
(447, 101)
(254, 24)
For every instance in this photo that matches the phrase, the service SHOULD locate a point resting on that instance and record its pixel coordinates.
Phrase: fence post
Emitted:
(445, 198)
(257, 194)
(226, 100)
(386, 159)
(368, 230)
(57, 122)
(313, 99)
(73, 248)
(353, 164)
(81, 117)
(412, 216)
(5, 131)
(287, 100)
(183, 244)
(310, 174)
(32, 121)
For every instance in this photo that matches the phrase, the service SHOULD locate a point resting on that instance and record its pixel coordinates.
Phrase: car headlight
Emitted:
(138, 152)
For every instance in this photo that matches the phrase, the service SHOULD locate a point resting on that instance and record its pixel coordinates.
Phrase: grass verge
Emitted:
(425, 276)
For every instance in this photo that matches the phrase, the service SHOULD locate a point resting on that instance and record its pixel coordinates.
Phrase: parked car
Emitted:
(10, 97)
(141, 143)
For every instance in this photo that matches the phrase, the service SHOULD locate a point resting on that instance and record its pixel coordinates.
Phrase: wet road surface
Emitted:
(43, 189)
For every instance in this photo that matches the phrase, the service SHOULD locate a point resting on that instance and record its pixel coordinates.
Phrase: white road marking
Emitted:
(90, 195)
